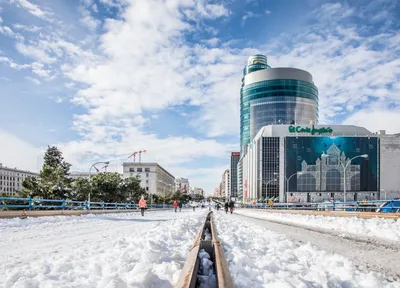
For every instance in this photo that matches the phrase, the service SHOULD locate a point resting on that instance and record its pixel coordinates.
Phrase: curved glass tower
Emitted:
(274, 96)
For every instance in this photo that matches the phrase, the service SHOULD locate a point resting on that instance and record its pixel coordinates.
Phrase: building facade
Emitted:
(217, 192)
(75, 175)
(233, 175)
(389, 165)
(224, 186)
(182, 184)
(304, 163)
(154, 178)
(272, 96)
(11, 179)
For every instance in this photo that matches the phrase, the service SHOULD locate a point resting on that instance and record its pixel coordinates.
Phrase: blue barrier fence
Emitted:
(384, 206)
(52, 204)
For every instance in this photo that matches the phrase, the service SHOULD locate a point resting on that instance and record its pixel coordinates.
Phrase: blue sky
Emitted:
(101, 79)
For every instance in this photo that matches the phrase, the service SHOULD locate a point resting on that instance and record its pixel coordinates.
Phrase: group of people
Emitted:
(177, 205)
(228, 206)
(143, 205)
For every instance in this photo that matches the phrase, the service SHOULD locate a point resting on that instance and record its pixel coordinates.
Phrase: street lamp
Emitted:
(90, 169)
(266, 185)
(287, 185)
(344, 166)
(165, 185)
(385, 193)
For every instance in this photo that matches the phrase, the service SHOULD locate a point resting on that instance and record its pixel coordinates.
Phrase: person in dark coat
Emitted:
(231, 206)
(180, 206)
(226, 207)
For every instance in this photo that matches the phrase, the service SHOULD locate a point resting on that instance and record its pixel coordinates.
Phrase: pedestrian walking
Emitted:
(231, 206)
(226, 207)
(180, 206)
(176, 205)
(142, 205)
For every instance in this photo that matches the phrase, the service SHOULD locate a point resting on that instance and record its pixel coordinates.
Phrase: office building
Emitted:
(11, 179)
(154, 178)
(315, 163)
(271, 96)
(235, 157)
(182, 185)
(224, 185)
(389, 165)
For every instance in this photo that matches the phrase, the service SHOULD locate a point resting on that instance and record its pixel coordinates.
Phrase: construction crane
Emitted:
(135, 153)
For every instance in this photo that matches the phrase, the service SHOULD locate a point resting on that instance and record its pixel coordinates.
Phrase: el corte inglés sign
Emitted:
(311, 130)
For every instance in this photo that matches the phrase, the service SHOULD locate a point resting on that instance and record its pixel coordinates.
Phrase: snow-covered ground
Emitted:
(104, 251)
(258, 257)
(388, 229)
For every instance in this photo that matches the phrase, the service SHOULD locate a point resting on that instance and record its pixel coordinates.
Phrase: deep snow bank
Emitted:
(388, 229)
(119, 250)
(258, 257)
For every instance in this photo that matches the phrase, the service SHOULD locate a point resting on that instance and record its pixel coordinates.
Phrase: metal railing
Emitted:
(385, 206)
(30, 204)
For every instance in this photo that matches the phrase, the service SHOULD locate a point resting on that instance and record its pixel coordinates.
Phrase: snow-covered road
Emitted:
(260, 257)
(385, 229)
(113, 250)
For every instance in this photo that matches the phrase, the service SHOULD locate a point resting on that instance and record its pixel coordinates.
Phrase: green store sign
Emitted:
(312, 130)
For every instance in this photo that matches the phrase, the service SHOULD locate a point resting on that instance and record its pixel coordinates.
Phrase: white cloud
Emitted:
(267, 12)
(248, 15)
(14, 65)
(375, 118)
(213, 42)
(34, 52)
(5, 30)
(88, 20)
(16, 152)
(28, 28)
(34, 9)
(33, 80)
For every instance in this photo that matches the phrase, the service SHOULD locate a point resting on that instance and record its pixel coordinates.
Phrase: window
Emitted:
(131, 169)
(147, 188)
(147, 181)
(146, 169)
(139, 169)
(147, 174)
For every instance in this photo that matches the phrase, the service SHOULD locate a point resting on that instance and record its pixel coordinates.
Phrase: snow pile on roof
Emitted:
(258, 257)
(113, 250)
(388, 229)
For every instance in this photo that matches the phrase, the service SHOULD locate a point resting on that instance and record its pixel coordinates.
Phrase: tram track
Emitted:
(205, 241)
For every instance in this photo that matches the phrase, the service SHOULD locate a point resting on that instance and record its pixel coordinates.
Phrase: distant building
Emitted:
(75, 175)
(154, 178)
(182, 184)
(224, 185)
(389, 165)
(198, 191)
(11, 179)
(235, 156)
(217, 192)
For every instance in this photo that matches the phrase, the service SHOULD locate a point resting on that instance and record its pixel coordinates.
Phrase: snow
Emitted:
(388, 229)
(104, 251)
(258, 257)
(206, 274)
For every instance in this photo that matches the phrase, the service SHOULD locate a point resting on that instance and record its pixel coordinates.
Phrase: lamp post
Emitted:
(344, 166)
(266, 185)
(287, 185)
(165, 185)
(385, 193)
(90, 169)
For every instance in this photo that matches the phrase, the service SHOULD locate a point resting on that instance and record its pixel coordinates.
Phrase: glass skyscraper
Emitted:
(274, 96)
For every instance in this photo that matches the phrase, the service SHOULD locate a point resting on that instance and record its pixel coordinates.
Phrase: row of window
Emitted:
(139, 169)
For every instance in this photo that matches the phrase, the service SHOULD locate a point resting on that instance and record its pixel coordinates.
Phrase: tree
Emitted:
(53, 158)
(131, 190)
(80, 189)
(53, 181)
